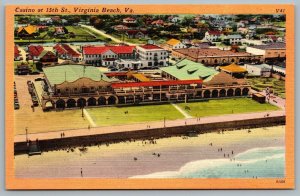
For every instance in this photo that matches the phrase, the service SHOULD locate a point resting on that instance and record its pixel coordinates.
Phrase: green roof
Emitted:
(189, 70)
(70, 73)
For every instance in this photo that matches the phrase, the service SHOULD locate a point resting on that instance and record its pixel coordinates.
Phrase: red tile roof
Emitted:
(158, 22)
(150, 46)
(102, 49)
(215, 32)
(17, 51)
(129, 19)
(155, 83)
(111, 74)
(35, 50)
(65, 49)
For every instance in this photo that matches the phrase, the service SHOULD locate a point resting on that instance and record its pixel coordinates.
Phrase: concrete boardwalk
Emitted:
(141, 126)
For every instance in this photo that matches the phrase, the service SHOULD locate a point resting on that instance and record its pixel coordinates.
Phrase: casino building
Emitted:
(68, 86)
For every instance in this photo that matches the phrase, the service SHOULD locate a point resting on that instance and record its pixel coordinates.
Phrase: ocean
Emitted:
(268, 162)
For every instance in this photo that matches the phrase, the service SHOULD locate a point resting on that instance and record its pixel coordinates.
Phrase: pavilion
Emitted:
(234, 70)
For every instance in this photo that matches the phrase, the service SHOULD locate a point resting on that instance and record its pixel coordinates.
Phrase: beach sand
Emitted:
(117, 160)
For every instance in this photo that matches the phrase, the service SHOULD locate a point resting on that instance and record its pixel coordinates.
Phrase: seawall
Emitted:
(89, 140)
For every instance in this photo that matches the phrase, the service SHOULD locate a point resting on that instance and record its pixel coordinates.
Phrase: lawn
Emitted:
(279, 24)
(38, 121)
(107, 116)
(260, 84)
(225, 106)
(81, 35)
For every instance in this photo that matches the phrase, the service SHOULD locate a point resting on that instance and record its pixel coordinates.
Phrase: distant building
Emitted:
(47, 57)
(60, 31)
(22, 69)
(28, 31)
(152, 56)
(258, 70)
(120, 27)
(233, 39)
(214, 56)
(269, 51)
(158, 23)
(17, 55)
(34, 52)
(175, 44)
(129, 20)
(213, 36)
(138, 34)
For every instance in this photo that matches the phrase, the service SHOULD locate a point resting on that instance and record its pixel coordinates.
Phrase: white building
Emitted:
(152, 56)
(213, 36)
(258, 70)
(233, 39)
(175, 44)
(128, 64)
(106, 55)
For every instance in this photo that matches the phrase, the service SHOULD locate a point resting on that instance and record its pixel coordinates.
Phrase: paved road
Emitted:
(106, 35)
(274, 100)
(158, 124)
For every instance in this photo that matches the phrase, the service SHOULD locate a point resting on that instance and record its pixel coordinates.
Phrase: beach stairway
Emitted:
(34, 148)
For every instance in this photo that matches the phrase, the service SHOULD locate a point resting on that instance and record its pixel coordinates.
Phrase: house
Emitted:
(158, 23)
(120, 27)
(47, 57)
(175, 44)
(242, 30)
(17, 55)
(213, 36)
(60, 30)
(152, 55)
(137, 34)
(233, 39)
(106, 55)
(45, 21)
(22, 69)
(34, 52)
(174, 19)
(56, 19)
(27, 31)
(129, 20)
(64, 51)
(258, 70)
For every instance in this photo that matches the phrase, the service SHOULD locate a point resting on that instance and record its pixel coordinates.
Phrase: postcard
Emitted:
(149, 97)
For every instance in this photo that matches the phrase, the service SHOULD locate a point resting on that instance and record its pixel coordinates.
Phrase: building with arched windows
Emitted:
(215, 56)
(70, 86)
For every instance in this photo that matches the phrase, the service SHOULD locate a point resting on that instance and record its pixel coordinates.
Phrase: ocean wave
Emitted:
(255, 159)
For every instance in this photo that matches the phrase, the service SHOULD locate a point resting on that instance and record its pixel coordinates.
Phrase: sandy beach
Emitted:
(127, 159)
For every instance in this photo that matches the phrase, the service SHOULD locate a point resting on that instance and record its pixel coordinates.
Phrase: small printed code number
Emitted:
(280, 181)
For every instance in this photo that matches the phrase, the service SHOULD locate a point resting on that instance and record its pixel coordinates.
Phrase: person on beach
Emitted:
(232, 152)
(81, 172)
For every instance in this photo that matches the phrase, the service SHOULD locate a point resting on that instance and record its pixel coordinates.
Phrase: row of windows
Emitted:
(150, 53)
(76, 89)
